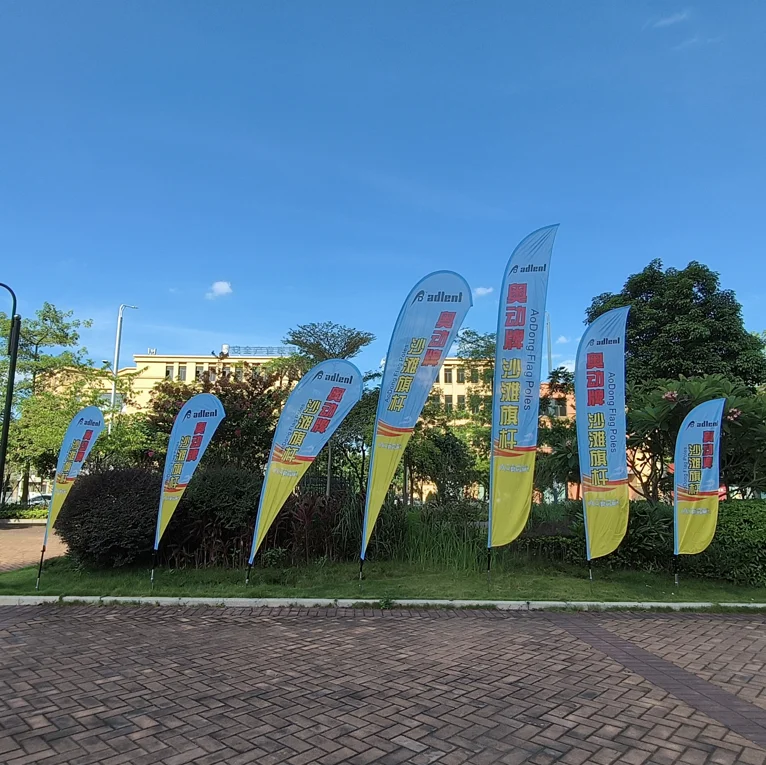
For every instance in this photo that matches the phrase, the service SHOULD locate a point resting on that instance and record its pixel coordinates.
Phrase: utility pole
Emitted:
(13, 353)
(115, 367)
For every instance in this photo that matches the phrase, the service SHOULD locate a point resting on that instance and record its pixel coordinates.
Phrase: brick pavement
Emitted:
(147, 685)
(20, 546)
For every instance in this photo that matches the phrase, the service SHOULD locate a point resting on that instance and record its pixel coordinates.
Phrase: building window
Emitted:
(447, 374)
(225, 371)
(182, 372)
(487, 403)
(448, 403)
(199, 370)
(238, 374)
(474, 375)
(168, 371)
(256, 371)
(461, 375)
(475, 404)
(461, 403)
(557, 407)
(434, 399)
(211, 373)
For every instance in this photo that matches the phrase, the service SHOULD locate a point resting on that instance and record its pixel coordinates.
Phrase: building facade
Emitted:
(152, 368)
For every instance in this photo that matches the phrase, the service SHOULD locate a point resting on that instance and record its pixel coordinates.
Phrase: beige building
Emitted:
(151, 368)
(457, 388)
(461, 389)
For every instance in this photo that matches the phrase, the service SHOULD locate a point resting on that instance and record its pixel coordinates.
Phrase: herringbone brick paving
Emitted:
(161, 685)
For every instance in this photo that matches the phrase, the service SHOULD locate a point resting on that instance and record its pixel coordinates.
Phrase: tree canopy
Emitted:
(328, 340)
(682, 323)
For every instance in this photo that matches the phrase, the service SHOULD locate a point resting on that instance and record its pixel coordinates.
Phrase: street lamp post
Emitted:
(115, 367)
(13, 352)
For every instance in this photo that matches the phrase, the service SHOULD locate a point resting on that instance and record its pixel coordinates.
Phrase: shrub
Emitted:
(109, 518)
(23, 512)
(738, 550)
(214, 521)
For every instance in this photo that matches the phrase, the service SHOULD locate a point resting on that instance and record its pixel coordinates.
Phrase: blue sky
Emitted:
(322, 157)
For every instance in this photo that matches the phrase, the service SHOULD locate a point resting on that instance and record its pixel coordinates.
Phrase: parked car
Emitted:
(39, 500)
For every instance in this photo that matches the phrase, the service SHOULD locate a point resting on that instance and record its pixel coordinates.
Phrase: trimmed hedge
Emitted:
(109, 520)
(22, 512)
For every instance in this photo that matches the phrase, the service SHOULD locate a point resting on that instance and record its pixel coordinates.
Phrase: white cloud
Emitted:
(483, 291)
(669, 21)
(693, 42)
(569, 364)
(219, 289)
(562, 340)
(173, 290)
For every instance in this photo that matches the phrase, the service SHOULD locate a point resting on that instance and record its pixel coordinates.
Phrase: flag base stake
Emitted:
(489, 568)
(151, 576)
(247, 575)
(361, 574)
(675, 570)
(40, 569)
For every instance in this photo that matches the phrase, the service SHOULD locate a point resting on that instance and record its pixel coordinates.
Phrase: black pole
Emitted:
(489, 566)
(40, 568)
(361, 566)
(247, 576)
(154, 563)
(675, 569)
(13, 353)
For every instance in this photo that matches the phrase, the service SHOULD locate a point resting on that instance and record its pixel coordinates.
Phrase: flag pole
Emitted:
(40, 568)
(154, 563)
(489, 567)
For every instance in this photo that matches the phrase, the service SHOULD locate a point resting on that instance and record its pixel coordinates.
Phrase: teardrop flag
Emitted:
(696, 479)
(314, 409)
(601, 431)
(194, 426)
(427, 326)
(80, 436)
(516, 389)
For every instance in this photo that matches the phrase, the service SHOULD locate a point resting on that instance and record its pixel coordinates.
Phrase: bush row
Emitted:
(109, 520)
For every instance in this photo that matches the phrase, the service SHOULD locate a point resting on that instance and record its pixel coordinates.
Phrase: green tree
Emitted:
(654, 420)
(251, 403)
(317, 342)
(439, 456)
(682, 323)
(353, 437)
(51, 361)
(326, 340)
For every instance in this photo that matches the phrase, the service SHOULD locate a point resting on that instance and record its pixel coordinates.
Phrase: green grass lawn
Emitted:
(383, 581)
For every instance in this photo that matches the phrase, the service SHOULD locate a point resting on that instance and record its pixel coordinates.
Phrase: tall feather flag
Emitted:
(427, 326)
(194, 426)
(516, 389)
(315, 408)
(696, 478)
(601, 431)
(80, 436)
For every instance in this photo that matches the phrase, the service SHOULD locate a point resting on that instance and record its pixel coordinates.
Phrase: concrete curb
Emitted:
(23, 521)
(405, 603)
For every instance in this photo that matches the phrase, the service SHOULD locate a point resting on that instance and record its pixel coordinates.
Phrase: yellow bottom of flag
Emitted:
(512, 483)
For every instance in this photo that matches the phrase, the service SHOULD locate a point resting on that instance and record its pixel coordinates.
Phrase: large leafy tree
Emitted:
(682, 323)
(320, 341)
(251, 402)
(326, 340)
(439, 456)
(53, 379)
(655, 418)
